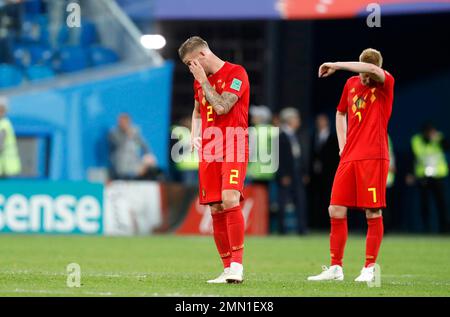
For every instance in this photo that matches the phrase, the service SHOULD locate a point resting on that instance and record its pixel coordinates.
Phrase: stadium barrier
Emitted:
(51, 207)
(123, 208)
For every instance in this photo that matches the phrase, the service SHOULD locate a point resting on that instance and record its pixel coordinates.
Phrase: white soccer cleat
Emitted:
(236, 274)
(367, 274)
(333, 273)
(222, 277)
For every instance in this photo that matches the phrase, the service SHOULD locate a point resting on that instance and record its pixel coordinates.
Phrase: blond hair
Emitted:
(190, 45)
(371, 56)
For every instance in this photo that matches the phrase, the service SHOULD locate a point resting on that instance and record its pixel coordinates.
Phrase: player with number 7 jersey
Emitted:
(362, 119)
(222, 96)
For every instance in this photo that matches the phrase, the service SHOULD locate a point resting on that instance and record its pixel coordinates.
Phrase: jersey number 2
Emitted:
(233, 176)
(209, 113)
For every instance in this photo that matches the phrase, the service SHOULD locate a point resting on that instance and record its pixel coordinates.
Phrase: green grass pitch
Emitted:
(179, 266)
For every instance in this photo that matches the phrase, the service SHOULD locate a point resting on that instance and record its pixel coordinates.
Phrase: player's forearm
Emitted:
(341, 130)
(222, 104)
(356, 67)
(374, 71)
(195, 124)
(214, 99)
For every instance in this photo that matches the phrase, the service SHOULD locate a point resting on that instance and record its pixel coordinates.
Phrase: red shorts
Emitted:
(361, 184)
(214, 177)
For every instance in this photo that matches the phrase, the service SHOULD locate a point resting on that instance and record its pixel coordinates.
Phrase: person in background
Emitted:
(187, 168)
(291, 189)
(430, 171)
(324, 162)
(388, 216)
(261, 117)
(10, 164)
(259, 169)
(130, 156)
(392, 165)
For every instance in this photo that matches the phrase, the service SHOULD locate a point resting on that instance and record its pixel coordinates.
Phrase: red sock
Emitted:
(374, 237)
(221, 237)
(236, 228)
(338, 238)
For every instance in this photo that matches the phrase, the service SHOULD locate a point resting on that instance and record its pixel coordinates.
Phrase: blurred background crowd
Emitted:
(300, 189)
(99, 102)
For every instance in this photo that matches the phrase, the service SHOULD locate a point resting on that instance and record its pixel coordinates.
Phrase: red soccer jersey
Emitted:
(368, 111)
(230, 78)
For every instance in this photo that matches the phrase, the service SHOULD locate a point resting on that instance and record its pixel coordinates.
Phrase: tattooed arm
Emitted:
(221, 104)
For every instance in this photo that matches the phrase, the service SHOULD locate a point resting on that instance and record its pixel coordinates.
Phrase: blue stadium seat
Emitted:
(40, 54)
(10, 76)
(26, 54)
(21, 55)
(39, 72)
(71, 59)
(100, 55)
(33, 7)
(87, 33)
(35, 29)
(63, 36)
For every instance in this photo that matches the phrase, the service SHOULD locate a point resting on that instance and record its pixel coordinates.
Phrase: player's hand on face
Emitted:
(326, 70)
(197, 71)
(196, 143)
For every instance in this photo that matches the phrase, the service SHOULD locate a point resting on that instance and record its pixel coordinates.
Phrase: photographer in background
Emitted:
(130, 156)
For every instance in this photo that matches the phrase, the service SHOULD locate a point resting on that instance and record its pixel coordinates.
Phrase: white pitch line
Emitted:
(80, 293)
(48, 292)
(46, 273)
